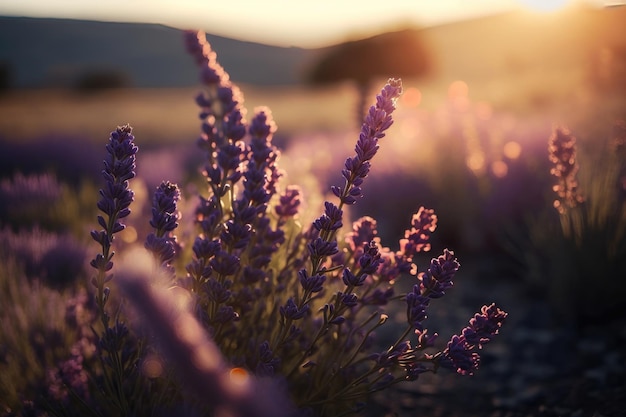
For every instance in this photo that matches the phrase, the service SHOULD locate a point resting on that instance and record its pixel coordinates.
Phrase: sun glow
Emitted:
(544, 6)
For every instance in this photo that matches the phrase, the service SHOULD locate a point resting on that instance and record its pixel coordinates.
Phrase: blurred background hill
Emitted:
(41, 52)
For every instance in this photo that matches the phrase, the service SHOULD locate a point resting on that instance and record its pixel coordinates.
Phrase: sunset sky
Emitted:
(280, 22)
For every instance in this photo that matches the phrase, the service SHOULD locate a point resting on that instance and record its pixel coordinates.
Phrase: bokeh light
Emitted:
(458, 94)
(476, 161)
(499, 169)
(152, 366)
(239, 376)
(411, 97)
(512, 150)
(484, 110)
(128, 235)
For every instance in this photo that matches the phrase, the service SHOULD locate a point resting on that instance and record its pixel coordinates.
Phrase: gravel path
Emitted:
(537, 366)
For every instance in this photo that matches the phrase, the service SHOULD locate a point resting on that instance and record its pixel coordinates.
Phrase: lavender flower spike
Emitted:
(164, 220)
(116, 196)
(377, 121)
(562, 150)
(164, 211)
(460, 354)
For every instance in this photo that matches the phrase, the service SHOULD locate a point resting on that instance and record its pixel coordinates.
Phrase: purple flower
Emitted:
(119, 167)
(438, 278)
(162, 248)
(364, 230)
(224, 263)
(331, 219)
(291, 311)
(348, 300)
(225, 314)
(392, 355)
(319, 248)
(263, 155)
(164, 221)
(116, 196)
(562, 153)
(459, 357)
(205, 248)
(235, 235)
(289, 202)
(217, 292)
(208, 215)
(267, 362)
(484, 325)
(424, 340)
(164, 211)
(353, 280)
(311, 284)
(416, 239)
(416, 305)
(370, 259)
(377, 121)
(68, 376)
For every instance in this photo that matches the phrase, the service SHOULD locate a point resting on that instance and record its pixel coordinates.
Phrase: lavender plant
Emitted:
(562, 153)
(591, 241)
(269, 298)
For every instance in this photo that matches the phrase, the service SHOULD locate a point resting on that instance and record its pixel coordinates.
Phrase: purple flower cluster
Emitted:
(164, 220)
(562, 153)
(460, 354)
(116, 196)
(265, 296)
(377, 121)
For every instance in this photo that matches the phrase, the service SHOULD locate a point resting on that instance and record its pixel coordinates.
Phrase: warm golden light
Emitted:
(499, 169)
(411, 97)
(128, 235)
(544, 6)
(476, 161)
(458, 93)
(484, 111)
(458, 89)
(239, 376)
(152, 367)
(512, 150)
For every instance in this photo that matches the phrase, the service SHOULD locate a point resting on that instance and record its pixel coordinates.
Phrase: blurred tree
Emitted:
(102, 79)
(6, 76)
(394, 54)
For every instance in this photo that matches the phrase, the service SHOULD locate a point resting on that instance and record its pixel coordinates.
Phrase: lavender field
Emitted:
(468, 258)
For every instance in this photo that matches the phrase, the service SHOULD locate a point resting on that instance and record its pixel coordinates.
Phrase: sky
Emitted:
(302, 23)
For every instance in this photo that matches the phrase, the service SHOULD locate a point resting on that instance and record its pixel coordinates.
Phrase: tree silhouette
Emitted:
(393, 54)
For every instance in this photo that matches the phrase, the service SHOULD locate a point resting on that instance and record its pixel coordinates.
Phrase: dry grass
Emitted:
(162, 116)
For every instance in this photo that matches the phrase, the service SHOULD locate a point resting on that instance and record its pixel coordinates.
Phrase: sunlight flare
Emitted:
(544, 6)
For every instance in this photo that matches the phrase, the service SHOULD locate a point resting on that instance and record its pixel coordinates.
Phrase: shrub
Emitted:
(267, 316)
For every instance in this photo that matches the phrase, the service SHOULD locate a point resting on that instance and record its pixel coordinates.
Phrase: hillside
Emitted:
(55, 52)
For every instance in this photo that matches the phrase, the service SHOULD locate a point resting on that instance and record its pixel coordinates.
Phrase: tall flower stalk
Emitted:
(116, 356)
(116, 196)
(562, 153)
